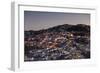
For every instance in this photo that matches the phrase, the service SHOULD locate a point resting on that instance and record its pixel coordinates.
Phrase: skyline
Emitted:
(35, 20)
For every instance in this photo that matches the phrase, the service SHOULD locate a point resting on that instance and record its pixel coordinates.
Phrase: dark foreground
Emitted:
(61, 42)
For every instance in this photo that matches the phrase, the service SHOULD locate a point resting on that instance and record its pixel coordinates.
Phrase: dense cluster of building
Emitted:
(57, 46)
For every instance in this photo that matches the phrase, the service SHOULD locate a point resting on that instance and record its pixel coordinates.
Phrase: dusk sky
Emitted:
(42, 20)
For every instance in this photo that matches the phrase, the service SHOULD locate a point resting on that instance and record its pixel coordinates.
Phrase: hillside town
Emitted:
(62, 42)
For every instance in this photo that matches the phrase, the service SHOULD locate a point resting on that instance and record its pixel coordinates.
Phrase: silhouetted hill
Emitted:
(62, 28)
(69, 28)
